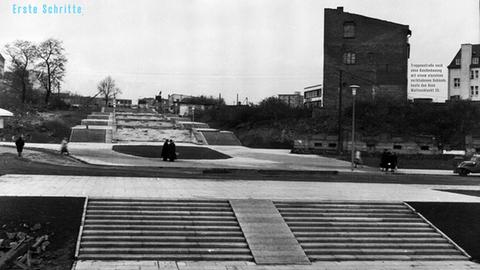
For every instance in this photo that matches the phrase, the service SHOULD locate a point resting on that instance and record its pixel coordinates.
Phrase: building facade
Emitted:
(364, 51)
(313, 96)
(463, 74)
(294, 100)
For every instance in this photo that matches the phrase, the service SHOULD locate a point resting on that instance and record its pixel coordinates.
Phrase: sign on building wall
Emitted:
(428, 81)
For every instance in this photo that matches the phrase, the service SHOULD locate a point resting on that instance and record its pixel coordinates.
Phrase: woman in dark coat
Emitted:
(172, 154)
(165, 150)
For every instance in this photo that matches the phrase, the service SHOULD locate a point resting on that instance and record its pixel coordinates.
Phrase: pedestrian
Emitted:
(358, 159)
(165, 150)
(384, 160)
(64, 147)
(20, 143)
(394, 159)
(172, 155)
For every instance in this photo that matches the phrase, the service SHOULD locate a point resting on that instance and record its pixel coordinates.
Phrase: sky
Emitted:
(253, 48)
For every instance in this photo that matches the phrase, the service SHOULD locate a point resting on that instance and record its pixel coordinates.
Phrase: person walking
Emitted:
(172, 154)
(64, 147)
(20, 143)
(165, 150)
(358, 159)
(384, 160)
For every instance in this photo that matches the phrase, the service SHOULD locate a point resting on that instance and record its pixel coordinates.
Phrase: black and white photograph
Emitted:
(239, 135)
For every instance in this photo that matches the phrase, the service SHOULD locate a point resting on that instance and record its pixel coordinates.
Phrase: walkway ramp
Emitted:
(348, 231)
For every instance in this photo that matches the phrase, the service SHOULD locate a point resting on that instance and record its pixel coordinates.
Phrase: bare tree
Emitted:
(22, 55)
(51, 65)
(108, 89)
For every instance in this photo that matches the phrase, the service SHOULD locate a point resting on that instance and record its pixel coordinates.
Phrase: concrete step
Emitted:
(338, 257)
(160, 222)
(366, 234)
(160, 227)
(166, 239)
(150, 217)
(338, 202)
(296, 229)
(160, 208)
(343, 210)
(348, 214)
(171, 250)
(381, 251)
(158, 203)
(382, 239)
(158, 244)
(395, 245)
(159, 213)
(168, 257)
(178, 232)
(351, 219)
(149, 201)
(308, 224)
(338, 205)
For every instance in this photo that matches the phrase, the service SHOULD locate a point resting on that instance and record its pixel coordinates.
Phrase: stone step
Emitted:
(159, 244)
(348, 214)
(366, 234)
(168, 257)
(345, 205)
(159, 213)
(160, 208)
(165, 239)
(356, 224)
(121, 232)
(158, 203)
(176, 251)
(349, 245)
(337, 202)
(312, 229)
(388, 239)
(350, 219)
(148, 201)
(386, 257)
(160, 227)
(160, 222)
(342, 210)
(151, 217)
(381, 251)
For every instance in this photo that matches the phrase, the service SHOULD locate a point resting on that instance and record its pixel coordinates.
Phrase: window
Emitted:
(476, 73)
(476, 90)
(471, 74)
(349, 58)
(349, 30)
(456, 82)
(397, 147)
(475, 61)
(471, 90)
(317, 144)
(332, 145)
(425, 147)
(457, 61)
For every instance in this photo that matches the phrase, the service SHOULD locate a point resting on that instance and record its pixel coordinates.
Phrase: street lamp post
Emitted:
(354, 93)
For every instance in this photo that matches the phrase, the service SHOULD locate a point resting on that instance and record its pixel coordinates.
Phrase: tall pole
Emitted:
(339, 124)
(354, 93)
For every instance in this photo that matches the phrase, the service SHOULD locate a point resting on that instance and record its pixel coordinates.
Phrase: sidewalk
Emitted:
(184, 188)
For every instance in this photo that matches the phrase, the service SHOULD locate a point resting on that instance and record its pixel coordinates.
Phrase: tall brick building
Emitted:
(364, 51)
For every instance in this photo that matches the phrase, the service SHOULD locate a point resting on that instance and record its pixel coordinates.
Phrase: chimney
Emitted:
(340, 9)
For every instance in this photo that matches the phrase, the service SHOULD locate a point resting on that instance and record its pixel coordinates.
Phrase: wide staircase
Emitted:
(217, 137)
(343, 231)
(166, 230)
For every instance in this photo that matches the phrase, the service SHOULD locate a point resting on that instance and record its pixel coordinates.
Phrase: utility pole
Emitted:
(339, 124)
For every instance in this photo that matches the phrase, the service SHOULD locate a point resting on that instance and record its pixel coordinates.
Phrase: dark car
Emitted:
(469, 166)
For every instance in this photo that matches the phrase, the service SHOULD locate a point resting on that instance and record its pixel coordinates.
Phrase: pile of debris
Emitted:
(23, 245)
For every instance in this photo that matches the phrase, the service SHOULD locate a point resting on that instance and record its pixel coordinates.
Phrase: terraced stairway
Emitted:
(344, 231)
(171, 230)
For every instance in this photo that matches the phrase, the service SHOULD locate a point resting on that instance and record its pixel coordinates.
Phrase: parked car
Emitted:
(469, 166)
